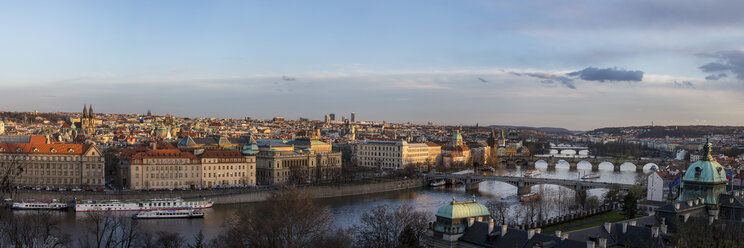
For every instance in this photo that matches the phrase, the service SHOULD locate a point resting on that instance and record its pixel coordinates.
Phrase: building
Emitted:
(332, 116)
(53, 165)
(385, 154)
(2, 127)
(303, 160)
(456, 152)
(658, 186)
(705, 179)
(227, 168)
(161, 169)
(353, 117)
(88, 122)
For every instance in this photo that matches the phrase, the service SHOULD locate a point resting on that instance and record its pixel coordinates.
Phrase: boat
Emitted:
(437, 183)
(590, 176)
(141, 205)
(489, 169)
(529, 197)
(169, 214)
(532, 173)
(52, 204)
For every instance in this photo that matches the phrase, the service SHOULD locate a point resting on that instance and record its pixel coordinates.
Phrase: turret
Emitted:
(85, 111)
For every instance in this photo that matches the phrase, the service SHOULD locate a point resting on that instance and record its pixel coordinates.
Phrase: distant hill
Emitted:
(671, 131)
(554, 130)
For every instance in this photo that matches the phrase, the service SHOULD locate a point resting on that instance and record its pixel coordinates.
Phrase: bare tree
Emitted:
(383, 226)
(104, 230)
(288, 218)
(39, 229)
(11, 169)
(499, 211)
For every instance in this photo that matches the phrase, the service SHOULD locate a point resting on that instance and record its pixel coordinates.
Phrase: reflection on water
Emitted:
(348, 210)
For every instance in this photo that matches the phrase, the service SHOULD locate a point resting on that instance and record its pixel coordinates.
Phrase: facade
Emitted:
(658, 186)
(456, 152)
(227, 168)
(55, 165)
(162, 169)
(385, 154)
(2, 127)
(297, 161)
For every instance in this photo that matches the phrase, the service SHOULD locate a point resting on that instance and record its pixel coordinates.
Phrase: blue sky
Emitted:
(573, 64)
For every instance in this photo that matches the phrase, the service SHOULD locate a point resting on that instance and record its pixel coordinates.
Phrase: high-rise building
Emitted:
(333, 116)
(353, 117)
(327, 118)
(2, 127)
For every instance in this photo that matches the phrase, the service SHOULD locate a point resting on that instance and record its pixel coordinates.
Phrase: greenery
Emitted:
(630, 205)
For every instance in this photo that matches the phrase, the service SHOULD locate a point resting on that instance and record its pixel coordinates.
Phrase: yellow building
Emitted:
(227, 168)
(386, 154)
(278, 162)
(162, 169)
(54, 165)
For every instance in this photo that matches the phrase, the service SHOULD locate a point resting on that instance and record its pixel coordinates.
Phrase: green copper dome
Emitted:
(705, 170)
(459, 210)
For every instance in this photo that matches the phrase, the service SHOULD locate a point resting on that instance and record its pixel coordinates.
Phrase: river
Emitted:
(348, 210)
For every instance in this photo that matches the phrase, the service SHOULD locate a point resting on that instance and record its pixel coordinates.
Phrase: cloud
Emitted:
(285, 78)
(716, 77)
(482, 80)
(549, 78)
(726, 61)
(607, 74)
(684, 84)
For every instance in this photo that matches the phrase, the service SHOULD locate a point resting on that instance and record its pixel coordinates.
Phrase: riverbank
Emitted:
(231, 196)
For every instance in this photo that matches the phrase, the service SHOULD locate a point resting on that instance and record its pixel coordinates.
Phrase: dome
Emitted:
(459, 210)
(706, 170)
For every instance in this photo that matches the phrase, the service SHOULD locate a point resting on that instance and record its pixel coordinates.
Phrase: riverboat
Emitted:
(438, 183)
(532, 173)
(52, 204)
(529, 197)
(169, 214)
(489, 169)
(142, 205)
(590, 176)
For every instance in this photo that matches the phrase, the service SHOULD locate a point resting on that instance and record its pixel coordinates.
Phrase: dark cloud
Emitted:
(549, 78)
(482, 80)
(684, 84)
(716, 77)
(285, 78)
(607, 74)
(731, 61)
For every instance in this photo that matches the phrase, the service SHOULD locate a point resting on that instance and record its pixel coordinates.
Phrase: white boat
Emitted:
(142, 205)
(52, 204)
(590, 176)
(169, 214)
(532, 173)
(437, 183)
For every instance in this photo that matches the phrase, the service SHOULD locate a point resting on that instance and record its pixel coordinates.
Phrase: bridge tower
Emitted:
(471, 185)
(523, 187)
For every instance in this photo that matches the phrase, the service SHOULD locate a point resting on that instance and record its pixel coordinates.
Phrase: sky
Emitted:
(574, 64)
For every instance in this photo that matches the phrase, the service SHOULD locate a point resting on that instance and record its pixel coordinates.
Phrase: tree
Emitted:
(109, 231)
(198, 240)
(499, 211)
(288, 218)
(630, 205)
(697, 232)
(38, 229)
(407, 238)
(382, 226)
(11, 169)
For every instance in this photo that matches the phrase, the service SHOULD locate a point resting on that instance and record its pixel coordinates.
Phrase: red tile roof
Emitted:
(76, 149)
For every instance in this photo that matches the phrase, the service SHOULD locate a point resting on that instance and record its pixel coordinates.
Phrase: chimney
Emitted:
(625, 227)
(632, 222)
(602, 242)
(503, 230)
(530, 234)
(154, 145)
(676, 205)
(663, 220)
(470, 221)
(655, 231)
(538, 230)
(711, 219)
(589, 244)
(608, 227)
(490, 226)
(663, 228)
(565, 236)
(558, 233)
(479, 219)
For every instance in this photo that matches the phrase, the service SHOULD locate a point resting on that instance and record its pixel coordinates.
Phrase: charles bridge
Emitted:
(523, 184)
(639, 164)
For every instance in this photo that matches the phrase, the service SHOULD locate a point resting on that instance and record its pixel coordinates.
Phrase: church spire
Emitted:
(90, 110)
(707, 148)
(85, 111)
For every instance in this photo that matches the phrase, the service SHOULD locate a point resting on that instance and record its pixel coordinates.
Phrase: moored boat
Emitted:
(52, 204)
(529, 197)
(142, 205)
(169, 214)
(532, 173)
(437, 183)
(590, 176)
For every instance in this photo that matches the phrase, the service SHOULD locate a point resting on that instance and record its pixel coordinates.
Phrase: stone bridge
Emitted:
(573, 163)
(524, 184)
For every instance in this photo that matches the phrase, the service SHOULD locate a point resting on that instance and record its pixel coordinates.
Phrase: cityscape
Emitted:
(380, 124)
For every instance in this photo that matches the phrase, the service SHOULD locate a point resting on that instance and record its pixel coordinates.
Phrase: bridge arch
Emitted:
(584, 153)
(650, 167)
(606, 166)
(584, 165)
(562, 164)
(628, 166)
(541, 164)
(568, 152)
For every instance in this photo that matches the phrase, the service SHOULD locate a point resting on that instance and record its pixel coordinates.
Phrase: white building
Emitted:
(393, 154)
(658, 185)
(2, 127)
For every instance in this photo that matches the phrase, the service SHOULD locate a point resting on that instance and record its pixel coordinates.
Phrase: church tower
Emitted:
(705, 179)
(87, 121)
